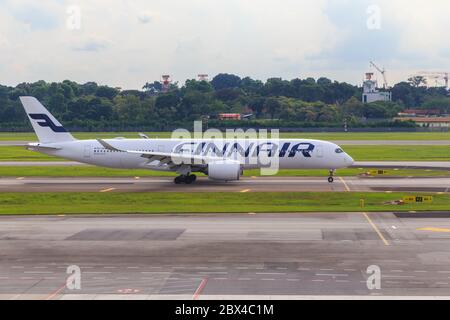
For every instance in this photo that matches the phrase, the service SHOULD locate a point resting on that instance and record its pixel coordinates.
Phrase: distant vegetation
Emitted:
(297, 103)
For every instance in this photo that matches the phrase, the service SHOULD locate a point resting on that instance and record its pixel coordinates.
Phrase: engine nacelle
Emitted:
(225, 170)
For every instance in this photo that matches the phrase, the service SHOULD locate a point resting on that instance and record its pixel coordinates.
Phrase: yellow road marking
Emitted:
(434, 229)
(108, 190)
(376, 229)
(245, 190)
(345, 184)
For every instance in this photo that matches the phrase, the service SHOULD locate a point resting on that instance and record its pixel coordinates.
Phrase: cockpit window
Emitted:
(339, 150)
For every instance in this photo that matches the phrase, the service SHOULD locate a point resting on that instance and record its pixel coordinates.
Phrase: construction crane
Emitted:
(436, 76)
(383, 73)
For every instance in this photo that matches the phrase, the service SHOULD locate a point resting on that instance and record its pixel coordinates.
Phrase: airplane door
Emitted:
(319, 152)
(87, 151)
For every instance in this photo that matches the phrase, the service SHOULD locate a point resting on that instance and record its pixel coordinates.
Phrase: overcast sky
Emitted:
(127, 43)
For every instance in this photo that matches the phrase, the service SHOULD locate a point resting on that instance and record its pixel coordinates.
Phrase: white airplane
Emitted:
(223, 159)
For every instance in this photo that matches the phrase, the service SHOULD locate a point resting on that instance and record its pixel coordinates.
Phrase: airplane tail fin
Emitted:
(47, 128)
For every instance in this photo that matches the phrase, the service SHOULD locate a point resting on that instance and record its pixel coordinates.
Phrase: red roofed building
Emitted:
(420, 112)
(229, 116)
(432, 122)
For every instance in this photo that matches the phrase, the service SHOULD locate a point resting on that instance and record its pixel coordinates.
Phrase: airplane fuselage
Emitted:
(288, 153)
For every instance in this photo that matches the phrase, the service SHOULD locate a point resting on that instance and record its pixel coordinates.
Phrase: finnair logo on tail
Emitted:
(45, 121)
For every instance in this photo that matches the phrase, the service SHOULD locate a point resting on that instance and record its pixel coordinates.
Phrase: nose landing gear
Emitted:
(187, 179)
(330, 178)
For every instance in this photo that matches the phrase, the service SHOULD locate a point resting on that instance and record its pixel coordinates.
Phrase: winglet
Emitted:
(143, 135)
(106, 145)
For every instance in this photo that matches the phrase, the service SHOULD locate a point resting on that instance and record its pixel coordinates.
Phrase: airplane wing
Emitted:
(41, 146)
(169, 158)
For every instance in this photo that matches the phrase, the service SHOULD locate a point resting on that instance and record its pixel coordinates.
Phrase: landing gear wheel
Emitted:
(178, 180)
(190, 179)
(185, 179)
(330, 178)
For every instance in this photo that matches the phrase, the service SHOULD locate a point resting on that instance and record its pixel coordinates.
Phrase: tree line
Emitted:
(273, 103)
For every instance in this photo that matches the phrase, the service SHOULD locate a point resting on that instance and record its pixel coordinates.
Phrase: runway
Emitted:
(203, 184)
(207, 256)
(436, 165)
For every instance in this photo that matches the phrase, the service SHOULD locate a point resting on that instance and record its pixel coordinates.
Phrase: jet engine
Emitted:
(224, 170)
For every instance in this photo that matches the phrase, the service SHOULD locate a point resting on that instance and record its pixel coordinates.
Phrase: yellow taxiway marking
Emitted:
(245, 190)
(434, 229)
(108, 190)
(137, 178)
(20, 178)
(376, 229)
(345, 184)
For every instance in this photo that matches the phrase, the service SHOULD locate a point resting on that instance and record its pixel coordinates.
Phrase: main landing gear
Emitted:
(188, 179)
(330, 178)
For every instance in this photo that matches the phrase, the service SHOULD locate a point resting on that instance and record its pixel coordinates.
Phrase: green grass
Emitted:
(370, 135)
(359, 153)
(154, 202)
(90, 171)
(29, 136)
(399, 153)
(21, 154)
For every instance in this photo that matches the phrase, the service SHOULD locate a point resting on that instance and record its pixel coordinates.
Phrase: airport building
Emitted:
(429, 122)
(371, 92)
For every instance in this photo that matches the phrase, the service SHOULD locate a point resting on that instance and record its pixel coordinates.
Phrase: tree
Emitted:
(440, 103)
(227, 94)
(129, 108)
(324, 82)
(194, 85)
(256, 104)
(250, 86)
(323, 102)
(89, 88)
(278, 87)
(225, 80)
(153, 88)
(106, 92)
(272, 106)
(352, 107)
(417, 81)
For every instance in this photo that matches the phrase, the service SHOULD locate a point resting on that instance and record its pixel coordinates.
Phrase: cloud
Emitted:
(127, 43)
(146, 17)
(4, 42)
(92, 46)
(35, 16)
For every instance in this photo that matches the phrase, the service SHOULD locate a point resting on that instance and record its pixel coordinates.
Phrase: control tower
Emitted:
(371, 92)
(166, 81)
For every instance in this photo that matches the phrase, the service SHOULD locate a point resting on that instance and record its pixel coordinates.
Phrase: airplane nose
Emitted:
(349, 160)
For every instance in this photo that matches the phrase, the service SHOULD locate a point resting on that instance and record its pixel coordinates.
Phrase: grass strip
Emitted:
(160, 202)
